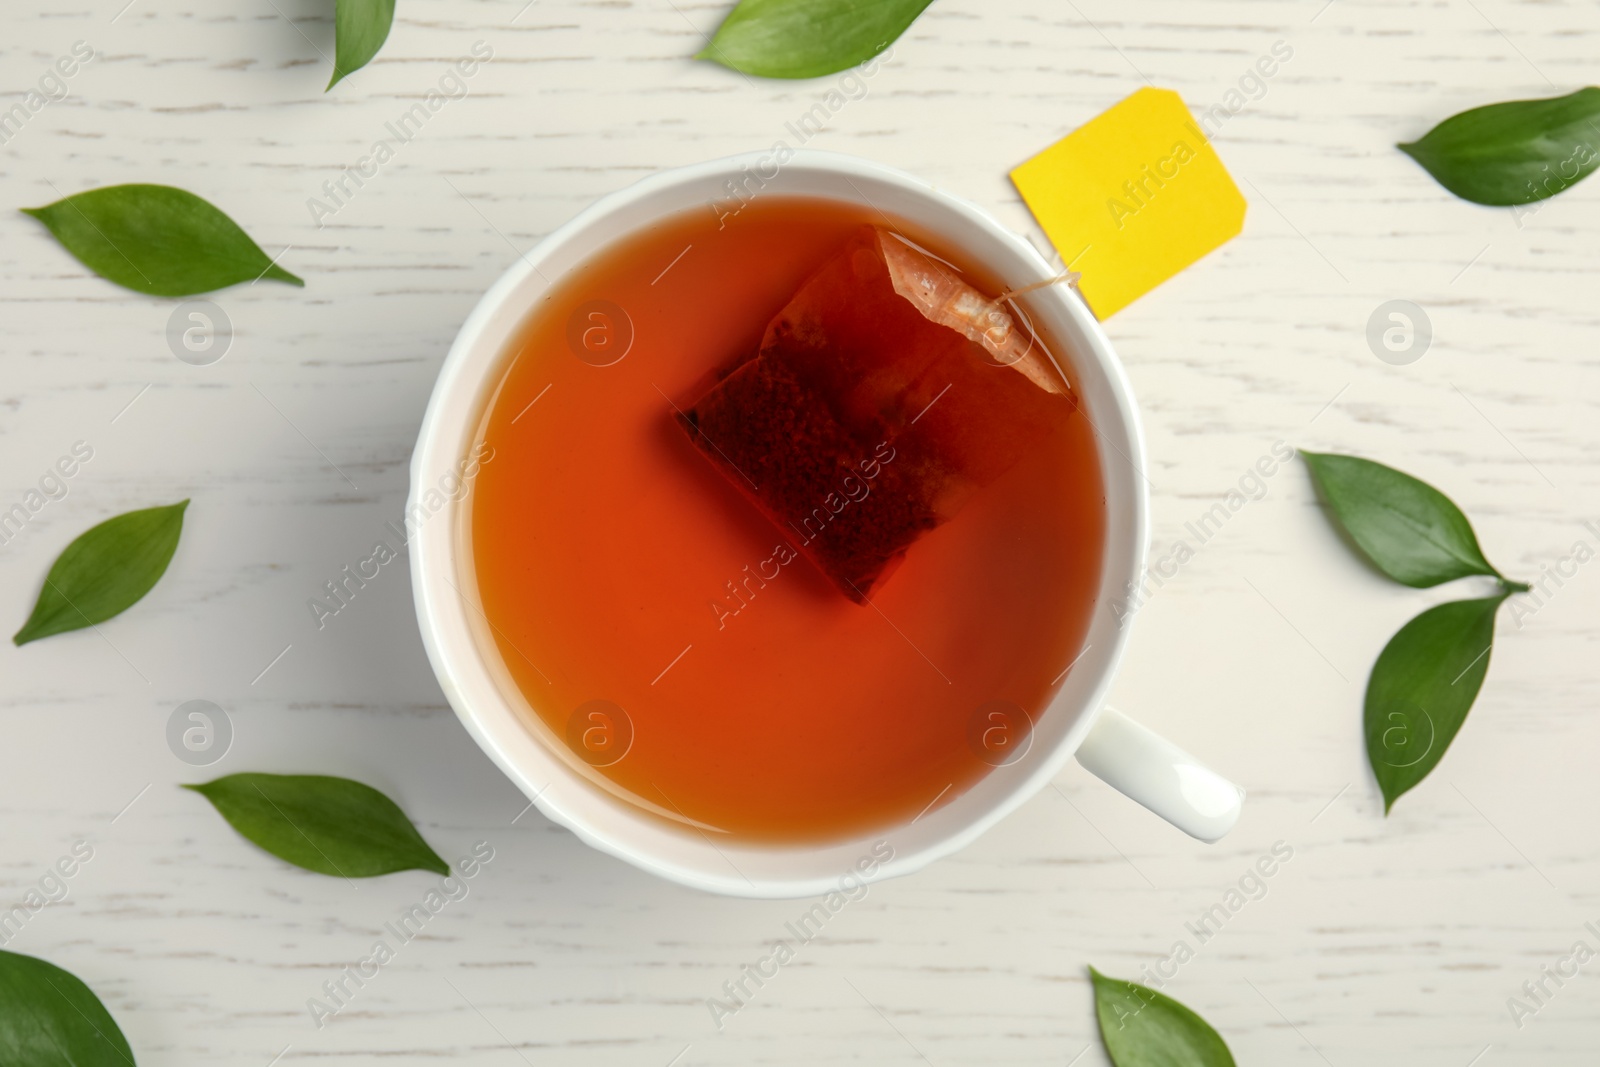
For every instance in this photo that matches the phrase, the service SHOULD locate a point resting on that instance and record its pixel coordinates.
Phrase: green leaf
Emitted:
(1407, 528)
(360, 28)
(105, 571)
(1143, 1028)
(48, 1018)
(327, 825)
(158, 240)
(808, 38)
(1516, 152)
(1421, 689)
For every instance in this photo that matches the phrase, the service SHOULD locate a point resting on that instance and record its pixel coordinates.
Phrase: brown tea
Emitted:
(677, 634)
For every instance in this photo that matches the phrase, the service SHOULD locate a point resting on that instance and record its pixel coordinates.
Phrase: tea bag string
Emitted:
(1070, 277)
(998, 336)
(1000, 320)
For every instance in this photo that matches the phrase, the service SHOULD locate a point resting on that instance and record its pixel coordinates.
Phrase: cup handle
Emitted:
(1144, 766)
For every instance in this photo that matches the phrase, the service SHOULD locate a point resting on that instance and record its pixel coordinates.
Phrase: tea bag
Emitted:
(883, 396)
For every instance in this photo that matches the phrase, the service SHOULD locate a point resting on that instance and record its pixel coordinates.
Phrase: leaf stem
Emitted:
(1513, 587)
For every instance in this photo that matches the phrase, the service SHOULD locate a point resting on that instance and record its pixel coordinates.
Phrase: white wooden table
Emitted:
(1383, 941)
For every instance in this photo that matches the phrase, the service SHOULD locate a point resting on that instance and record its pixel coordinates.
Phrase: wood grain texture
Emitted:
(1382, 942)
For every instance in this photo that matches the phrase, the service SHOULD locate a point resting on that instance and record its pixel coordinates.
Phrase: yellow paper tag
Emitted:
(1132, 197)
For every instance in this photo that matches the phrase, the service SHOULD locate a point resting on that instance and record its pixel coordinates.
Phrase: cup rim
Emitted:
(497, 727)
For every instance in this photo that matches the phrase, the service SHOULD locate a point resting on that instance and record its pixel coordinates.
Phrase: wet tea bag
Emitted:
(883, 396)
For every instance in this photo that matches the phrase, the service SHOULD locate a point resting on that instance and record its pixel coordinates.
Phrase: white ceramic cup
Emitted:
(1129, 757)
